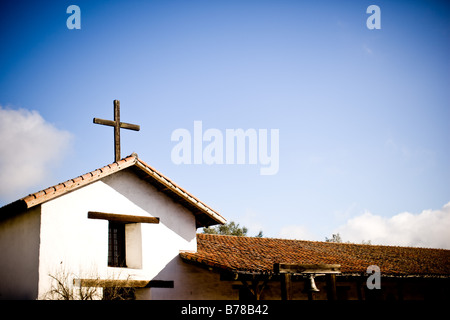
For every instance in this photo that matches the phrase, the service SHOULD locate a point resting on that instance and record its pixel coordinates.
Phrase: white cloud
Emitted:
(29, 149)
(430, 228)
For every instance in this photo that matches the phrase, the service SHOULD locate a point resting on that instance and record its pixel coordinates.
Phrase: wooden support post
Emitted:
(286, 286)
(117, 130)
(331, 286)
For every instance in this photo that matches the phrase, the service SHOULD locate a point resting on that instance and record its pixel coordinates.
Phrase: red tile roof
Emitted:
(258, 255)
(205, 216)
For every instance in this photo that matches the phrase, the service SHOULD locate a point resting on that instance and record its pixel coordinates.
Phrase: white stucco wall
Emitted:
(19, 247)
(194, 283)
(72, 243)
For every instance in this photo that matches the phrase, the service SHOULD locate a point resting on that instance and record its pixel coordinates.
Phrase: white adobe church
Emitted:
(125, 222)
(120, 225)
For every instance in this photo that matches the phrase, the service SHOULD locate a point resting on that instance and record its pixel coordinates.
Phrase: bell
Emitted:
(311, 285)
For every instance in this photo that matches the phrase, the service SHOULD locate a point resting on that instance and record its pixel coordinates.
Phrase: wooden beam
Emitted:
(123, 125)
(102, 283)
(104, 122)
(160, 284)
(125, 218)
(306, 268)
(130, 126)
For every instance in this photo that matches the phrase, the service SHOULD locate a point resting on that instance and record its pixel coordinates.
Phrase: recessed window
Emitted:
(116, 245)
(124, 238)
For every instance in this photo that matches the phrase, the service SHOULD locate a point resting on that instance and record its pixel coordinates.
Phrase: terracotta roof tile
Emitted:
(58, 187)
(251, 254)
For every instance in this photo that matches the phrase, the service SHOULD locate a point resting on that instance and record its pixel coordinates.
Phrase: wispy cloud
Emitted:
(367, 49)
(298, 232)
(30, 147)
(253, 221)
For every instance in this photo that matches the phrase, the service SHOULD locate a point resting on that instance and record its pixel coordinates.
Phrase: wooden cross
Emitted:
(117, 125)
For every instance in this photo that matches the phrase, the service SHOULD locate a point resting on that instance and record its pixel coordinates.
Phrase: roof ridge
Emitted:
(259, 255)
(324, 242)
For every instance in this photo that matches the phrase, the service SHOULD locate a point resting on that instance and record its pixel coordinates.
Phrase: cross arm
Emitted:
(124, 125)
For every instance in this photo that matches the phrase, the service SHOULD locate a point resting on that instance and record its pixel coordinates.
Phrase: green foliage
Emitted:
(230, 229)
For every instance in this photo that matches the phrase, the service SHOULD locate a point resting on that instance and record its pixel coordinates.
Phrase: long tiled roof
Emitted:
(258, 255)
(205, 216)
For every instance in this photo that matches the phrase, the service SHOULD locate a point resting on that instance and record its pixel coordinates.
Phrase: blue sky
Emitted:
(363, 115)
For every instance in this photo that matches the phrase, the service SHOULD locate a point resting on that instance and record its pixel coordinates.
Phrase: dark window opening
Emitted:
(116, 244)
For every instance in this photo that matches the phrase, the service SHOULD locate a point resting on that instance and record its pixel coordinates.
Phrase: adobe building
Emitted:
(126, 225)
